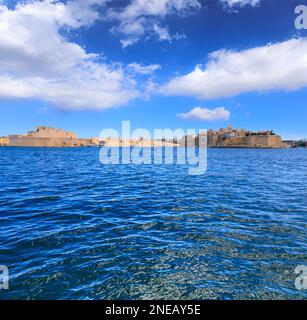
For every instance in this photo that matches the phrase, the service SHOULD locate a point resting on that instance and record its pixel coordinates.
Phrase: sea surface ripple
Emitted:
(72, 228)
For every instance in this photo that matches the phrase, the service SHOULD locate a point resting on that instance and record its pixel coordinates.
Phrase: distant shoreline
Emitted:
(121, 147)
(229, 137)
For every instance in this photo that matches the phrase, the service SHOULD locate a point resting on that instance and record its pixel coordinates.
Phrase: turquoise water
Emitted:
(72, 228)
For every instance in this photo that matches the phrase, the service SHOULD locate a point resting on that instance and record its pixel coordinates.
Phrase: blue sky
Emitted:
(88, 65)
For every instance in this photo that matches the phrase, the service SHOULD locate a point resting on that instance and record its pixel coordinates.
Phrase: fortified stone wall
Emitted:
(276, 141)
(49, 137)
(264, 141)
(213, 140)
(16, 141)
(240, 138)
(47, 142)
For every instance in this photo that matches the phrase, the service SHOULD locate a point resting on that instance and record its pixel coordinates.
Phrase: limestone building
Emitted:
(48, 137)
(240, 138)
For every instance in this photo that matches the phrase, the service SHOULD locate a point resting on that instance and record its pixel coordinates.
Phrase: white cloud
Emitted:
(139, 68)
(143, 17)
(162, 32)
(37, 62)
(99, 89)
(128, 42)
(279, 66)
(205, 114)
(240, 3)
(157, 8)
(85, 12)
(30, 43)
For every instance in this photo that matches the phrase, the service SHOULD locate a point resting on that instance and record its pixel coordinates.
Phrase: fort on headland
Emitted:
(47, 137)
(240, 138)
(223, 138)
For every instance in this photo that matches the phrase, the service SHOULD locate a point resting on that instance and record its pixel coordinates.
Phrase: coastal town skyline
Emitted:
(135, 133)
(230, 137)
(155, 65)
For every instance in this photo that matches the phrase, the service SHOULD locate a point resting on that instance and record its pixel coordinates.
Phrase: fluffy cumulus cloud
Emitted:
(205, 114)
(279, 66)
(37, 62)
(144, 19)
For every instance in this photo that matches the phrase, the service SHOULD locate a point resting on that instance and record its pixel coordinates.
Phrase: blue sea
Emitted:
(72, 228)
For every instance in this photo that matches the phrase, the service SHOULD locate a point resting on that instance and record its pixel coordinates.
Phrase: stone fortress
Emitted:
(46, 137)
(234, 138)
(222, 138)
(240, 138)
